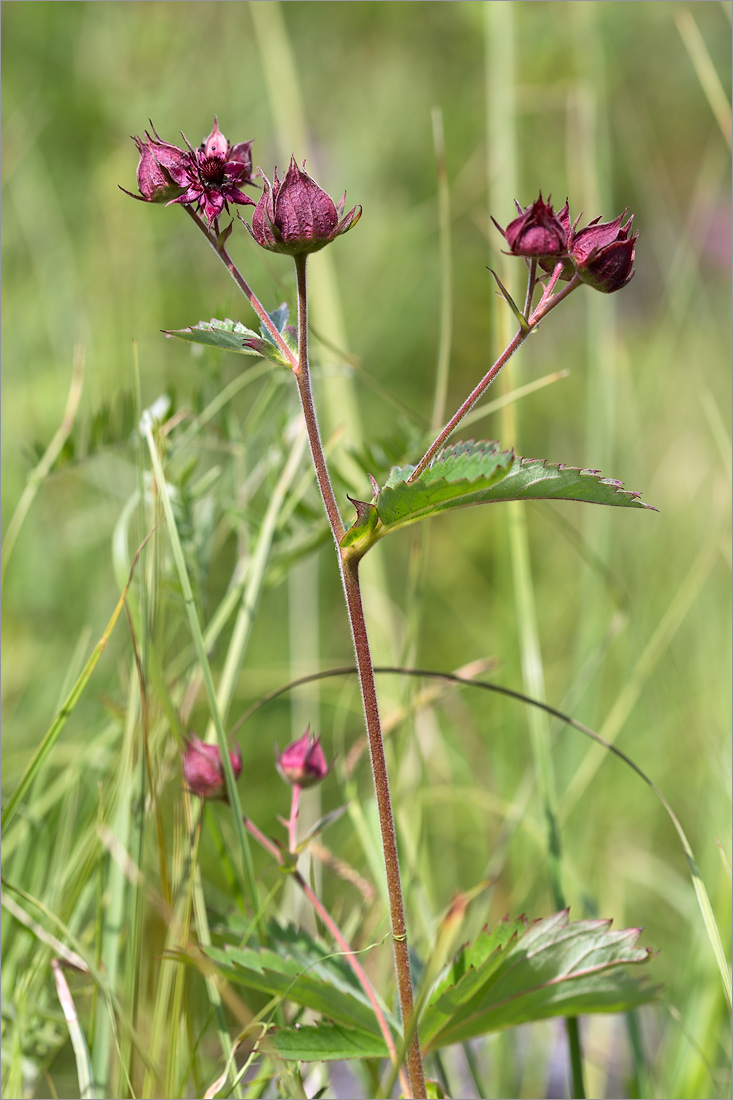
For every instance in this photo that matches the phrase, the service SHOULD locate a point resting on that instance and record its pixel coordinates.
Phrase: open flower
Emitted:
(302, 764)
(203, 770)
(210, 176)
(213, 174)
(295, 215)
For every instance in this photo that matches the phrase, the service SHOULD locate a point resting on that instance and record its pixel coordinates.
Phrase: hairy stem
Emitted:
(302, 375)
(293, 819)
(547, 302)
(350, 577)
(349, 568)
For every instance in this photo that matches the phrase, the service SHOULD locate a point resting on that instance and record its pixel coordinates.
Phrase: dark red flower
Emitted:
(538, 231)
(296, 216)
(603, 254)
(302, 764)
(213, 174)
(203, 771)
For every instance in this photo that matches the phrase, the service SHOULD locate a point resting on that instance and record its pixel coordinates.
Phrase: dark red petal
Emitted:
(216, 144)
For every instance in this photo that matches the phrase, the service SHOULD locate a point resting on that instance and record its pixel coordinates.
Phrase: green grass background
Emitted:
(610, 104)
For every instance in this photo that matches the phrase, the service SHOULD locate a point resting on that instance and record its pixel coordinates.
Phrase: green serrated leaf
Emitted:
(471, 966)
(302, 970)
(325, 1043)
(551, 968)
(481, 473)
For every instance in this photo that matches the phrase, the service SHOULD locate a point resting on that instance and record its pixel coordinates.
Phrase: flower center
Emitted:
(212, 169)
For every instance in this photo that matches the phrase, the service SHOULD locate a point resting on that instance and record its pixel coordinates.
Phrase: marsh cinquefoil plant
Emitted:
(513, 973)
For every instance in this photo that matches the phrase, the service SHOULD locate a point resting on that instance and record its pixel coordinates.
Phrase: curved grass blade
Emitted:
(703, 899)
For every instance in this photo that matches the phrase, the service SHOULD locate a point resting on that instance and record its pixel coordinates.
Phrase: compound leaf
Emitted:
(521, 973)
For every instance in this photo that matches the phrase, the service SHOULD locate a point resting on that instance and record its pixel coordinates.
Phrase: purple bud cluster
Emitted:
(601, 254)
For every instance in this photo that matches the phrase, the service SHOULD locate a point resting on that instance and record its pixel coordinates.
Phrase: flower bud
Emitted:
(296, 216)
(302, 764)
(203, 771)
(537, 232)
(603, 254)
(159, 167)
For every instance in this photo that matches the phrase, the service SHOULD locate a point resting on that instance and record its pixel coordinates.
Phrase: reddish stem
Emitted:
(350, 577)
(293, 820)
(349, 568)
(302, 375)
(213, 239)
(546, 304)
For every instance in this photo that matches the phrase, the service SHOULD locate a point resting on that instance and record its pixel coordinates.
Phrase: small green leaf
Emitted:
(325, 1043)
(226, 335)
(511, 303)
(518, 974)
(321, 824)
(481, 473)
(279, 318)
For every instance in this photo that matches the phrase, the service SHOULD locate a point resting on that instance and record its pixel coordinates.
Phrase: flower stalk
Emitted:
(547, 303)
(349, 569)
(335, 931)
(295, 217)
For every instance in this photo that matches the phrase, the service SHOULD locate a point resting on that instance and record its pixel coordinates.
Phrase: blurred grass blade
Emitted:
(706, 71)
(39, 474)
(65, 953)
(78, 1042)
(446, 274)
(48, 742)
(513, 395)
(147, 426)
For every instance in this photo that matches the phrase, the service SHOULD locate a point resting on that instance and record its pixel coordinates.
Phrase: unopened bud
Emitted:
(203, 770)
(302, 764)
